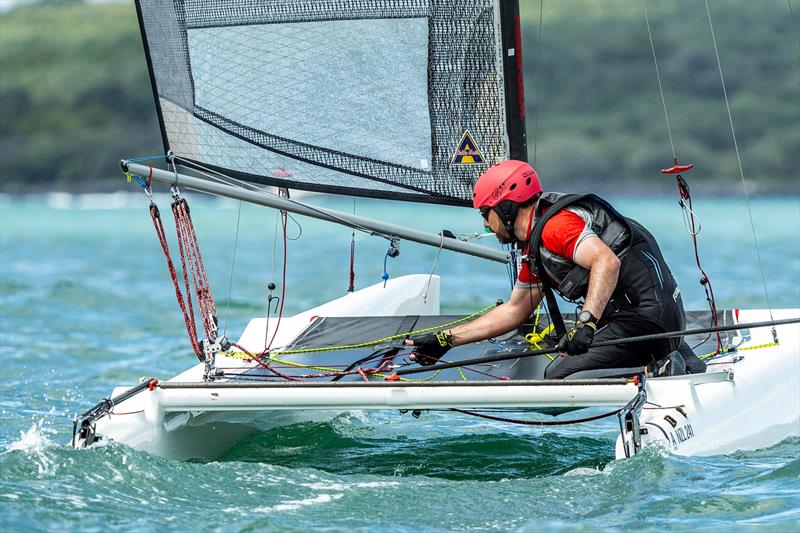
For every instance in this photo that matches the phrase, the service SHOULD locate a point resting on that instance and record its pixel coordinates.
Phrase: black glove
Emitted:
(431, 347)
(578, 338)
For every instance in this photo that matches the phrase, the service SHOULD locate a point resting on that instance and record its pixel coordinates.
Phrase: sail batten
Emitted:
(360, 97)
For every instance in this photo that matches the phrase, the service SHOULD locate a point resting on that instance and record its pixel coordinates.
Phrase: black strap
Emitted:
(552, 309)
(536, 232)
(610, 238)
(538, 269)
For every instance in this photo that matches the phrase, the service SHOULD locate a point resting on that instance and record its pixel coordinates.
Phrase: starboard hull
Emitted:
(745, 400)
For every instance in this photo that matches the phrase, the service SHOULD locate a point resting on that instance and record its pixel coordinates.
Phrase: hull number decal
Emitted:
(681, 435)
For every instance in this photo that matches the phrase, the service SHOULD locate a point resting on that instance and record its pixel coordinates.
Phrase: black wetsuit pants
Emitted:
(617, 356)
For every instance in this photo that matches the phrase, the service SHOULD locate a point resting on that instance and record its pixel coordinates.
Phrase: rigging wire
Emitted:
(795, 21)
(658, 76)
(284, 218)
(690, 220)
(233, 266)
(271, 285)
(741, 171)
(479, 414)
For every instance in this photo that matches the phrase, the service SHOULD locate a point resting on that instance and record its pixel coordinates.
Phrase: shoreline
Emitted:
(659, 186)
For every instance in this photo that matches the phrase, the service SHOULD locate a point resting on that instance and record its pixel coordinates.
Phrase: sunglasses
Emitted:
(485, 210)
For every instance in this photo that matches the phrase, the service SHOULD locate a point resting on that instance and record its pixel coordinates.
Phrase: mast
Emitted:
(513, 80)
(329, 215)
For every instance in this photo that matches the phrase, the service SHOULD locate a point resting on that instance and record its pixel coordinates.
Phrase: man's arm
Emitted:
(501, 319)
(603, 266)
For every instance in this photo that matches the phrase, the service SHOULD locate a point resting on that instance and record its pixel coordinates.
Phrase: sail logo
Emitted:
(467, 152)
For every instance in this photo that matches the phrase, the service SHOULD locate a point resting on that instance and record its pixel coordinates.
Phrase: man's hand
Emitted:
(578, 339)
(431, 347)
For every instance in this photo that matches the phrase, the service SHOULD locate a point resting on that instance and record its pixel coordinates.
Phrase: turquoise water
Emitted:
(87, 305)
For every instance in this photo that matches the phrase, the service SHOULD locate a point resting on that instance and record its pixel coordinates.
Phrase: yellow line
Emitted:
(734, 350)
(245, 355)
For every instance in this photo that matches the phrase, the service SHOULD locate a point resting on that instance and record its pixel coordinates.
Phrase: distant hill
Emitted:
(75, 95)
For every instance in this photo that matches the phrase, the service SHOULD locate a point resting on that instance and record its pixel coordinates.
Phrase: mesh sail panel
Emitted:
(399, 99)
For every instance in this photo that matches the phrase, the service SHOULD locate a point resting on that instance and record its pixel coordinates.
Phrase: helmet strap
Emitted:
(507, 212)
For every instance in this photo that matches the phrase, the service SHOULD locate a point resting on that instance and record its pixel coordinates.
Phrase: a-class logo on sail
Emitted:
(467, 152)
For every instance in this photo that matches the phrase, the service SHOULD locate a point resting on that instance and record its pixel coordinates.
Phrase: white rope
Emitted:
(433, 269)
(739, 161)
(690, 219)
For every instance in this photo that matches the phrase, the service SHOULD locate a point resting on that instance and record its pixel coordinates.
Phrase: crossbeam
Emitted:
(175, 397)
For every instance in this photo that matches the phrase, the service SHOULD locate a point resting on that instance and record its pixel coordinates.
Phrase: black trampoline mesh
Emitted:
(363, 97)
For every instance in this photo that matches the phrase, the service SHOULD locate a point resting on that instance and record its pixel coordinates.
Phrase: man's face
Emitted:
(492, 221)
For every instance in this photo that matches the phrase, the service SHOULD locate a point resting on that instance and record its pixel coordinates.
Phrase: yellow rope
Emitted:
(535, 338)
(734, 350)
(326, 369)
(244, 355)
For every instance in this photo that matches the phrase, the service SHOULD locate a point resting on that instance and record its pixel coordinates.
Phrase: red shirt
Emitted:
(561, 235)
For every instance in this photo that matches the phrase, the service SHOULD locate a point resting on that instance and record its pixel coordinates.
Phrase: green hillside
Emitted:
(75, 95)
(601, 115)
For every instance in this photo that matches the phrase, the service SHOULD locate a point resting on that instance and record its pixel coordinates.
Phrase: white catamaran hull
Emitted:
(745, 400)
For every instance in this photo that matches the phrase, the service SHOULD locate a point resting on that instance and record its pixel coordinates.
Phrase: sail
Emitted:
(408, 100)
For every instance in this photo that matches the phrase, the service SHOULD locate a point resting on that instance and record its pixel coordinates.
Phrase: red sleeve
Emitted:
(561, 233)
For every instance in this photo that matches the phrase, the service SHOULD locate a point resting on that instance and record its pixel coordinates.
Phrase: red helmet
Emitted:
(508, 180)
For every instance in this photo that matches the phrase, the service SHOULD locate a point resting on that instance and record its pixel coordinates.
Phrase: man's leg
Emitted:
(616, 356)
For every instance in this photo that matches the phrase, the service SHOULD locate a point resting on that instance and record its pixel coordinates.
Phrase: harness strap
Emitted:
(536, 265)
(554, 311)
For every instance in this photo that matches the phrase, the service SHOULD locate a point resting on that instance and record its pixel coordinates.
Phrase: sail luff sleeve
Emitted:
(151, 72)
(396, 99)
(513, 79)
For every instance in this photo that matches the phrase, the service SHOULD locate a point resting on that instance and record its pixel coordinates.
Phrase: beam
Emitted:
(173, 397)
(321, 213)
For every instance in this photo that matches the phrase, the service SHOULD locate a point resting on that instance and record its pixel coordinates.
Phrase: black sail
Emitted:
(401, 99)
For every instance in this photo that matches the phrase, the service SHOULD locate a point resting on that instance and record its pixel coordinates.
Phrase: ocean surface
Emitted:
(86, 304)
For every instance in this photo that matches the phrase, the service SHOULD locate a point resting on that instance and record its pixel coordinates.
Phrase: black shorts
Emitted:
(617, 356)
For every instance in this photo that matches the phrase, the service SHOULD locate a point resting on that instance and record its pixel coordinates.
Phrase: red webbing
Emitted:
(191, 264)
(188, 316)
(190, 253)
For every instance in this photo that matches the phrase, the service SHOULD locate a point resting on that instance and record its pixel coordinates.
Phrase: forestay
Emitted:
(408, 100)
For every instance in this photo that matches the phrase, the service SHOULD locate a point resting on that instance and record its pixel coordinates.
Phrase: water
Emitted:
(87, 305)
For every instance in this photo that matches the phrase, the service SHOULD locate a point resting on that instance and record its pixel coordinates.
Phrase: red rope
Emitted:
(683, 190)
(190, 253)
(363, 372)
(188, 316)
(191, 265)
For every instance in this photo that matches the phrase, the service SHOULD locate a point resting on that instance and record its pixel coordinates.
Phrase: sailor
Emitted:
(582, 248)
